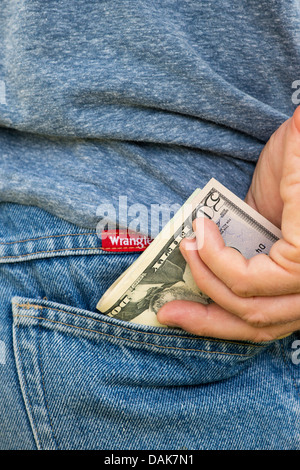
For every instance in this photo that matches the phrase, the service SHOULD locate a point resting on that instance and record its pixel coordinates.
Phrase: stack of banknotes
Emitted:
(161, 274)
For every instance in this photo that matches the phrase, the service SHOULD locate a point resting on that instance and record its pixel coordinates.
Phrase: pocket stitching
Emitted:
(122, 338)
(44, 391)
(135, 341)
(48, 236)
(26, 394)
(52, 251)
(42, 307)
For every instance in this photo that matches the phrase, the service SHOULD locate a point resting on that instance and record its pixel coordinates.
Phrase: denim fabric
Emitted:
(71, 378)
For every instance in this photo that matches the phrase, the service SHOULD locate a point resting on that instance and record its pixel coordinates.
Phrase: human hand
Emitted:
(256, 299)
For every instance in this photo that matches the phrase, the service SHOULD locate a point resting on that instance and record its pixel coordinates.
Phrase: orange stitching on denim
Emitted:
(28, 306)
(52, 251)
(44, 389)
(133, 340)
(48, 236)
(36, 434)
(41, 307)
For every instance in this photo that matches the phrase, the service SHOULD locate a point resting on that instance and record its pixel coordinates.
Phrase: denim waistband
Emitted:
(29, 232)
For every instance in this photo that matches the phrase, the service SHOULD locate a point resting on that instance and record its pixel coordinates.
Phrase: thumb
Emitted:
(290, 182)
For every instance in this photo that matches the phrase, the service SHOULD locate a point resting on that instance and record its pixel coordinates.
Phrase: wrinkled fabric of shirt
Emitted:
(144, 100)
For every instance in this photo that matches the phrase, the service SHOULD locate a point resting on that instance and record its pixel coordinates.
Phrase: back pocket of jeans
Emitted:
(91, 382)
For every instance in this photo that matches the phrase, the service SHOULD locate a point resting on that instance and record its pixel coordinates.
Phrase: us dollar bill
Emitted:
(161, 274)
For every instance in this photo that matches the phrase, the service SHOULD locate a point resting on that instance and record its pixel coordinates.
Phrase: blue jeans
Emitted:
(71, 378)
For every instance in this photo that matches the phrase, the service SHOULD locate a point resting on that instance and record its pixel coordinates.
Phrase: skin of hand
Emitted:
(257, 299)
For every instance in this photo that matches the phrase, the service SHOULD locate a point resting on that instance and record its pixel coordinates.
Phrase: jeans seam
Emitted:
(52, 251)
(41, 307)
(47, 237)
(133, 340)
(44, 390)
(35, 432)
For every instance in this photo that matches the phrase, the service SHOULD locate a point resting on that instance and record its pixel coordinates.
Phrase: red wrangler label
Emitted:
(123, 240)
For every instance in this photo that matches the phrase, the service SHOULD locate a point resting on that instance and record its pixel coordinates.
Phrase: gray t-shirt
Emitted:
(141, 99)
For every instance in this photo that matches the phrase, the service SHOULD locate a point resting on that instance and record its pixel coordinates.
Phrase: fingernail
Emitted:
(166, 321)
(198, 226)
(188, 244)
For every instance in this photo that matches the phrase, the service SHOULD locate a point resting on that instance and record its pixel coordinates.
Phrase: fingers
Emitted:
(217, 271)
(259, 276)
(290, 182)
(256, 299)
(256, 311)
(215, 322)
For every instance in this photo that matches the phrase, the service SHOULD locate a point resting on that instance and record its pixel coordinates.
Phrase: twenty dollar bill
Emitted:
(161, 274)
